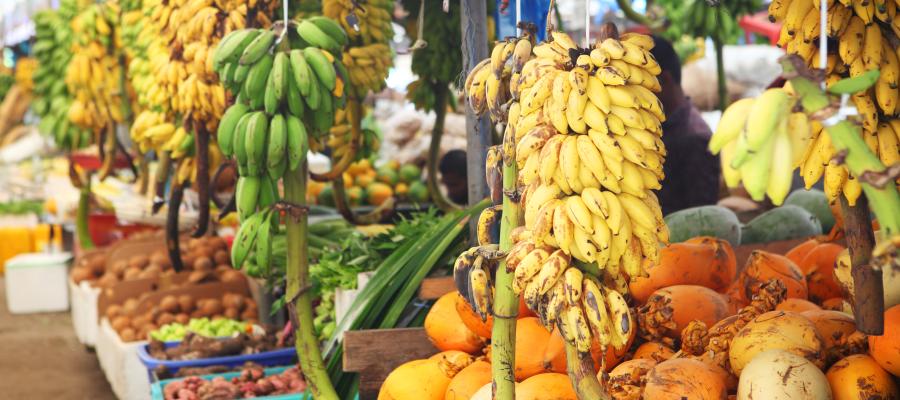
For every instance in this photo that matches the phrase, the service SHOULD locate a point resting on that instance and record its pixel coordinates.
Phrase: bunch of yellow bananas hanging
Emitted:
(368, 58)
(94, 74)
(25, 68)
(583, 126)
(151, 130)
(861, 30)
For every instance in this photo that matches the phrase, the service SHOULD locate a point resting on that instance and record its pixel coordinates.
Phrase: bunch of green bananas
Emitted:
(862, 32)
(52, 100)
(340, 138)
(439, 62)
(368, 57)
(288, 88)
(583, 127)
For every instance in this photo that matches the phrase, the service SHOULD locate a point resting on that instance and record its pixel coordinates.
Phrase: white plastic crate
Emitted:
(119, 360)
(37, 282)
(83, 298)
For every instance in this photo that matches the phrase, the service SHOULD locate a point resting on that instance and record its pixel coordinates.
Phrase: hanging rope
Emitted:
(587, 23)
(823, 35)
(420, 43)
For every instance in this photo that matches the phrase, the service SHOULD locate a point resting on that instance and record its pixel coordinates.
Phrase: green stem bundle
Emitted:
(582, 374)
(81, 218)
(298, 285)
(506, 303)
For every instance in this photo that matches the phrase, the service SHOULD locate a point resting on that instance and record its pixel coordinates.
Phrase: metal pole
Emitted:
(478, 129)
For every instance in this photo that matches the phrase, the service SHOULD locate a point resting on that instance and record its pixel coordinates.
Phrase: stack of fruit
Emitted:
(862, 31)
(368, 186)
(368, 56)
(583, 126)
(53, 35)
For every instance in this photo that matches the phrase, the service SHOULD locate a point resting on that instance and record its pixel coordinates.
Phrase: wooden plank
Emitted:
(434, 288)
(473, 23)
(375, 353)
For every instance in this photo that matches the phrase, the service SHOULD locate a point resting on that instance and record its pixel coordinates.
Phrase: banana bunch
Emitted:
(93, 76)
(368, 56)
(288, 93)
(25, 69)
(861, 30)
(340, 138)
(52, 44)
(583, 127)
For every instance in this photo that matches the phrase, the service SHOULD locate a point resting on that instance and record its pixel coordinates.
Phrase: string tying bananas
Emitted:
(861, 30)
(583, 127)
(286, 96)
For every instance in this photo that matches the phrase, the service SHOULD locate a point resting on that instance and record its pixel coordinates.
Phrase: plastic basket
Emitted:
(156, 391)
(272, 358)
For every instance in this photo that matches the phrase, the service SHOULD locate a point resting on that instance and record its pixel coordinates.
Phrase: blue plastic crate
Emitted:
(272, 358)
(156, 391)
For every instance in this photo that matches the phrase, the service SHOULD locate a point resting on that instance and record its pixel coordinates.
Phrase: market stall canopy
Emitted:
(16, 25)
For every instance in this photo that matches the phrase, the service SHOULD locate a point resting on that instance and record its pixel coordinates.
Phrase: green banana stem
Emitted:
(298, 288)
(506, 303)
(81, 218)
(440, 113)
(884, 199)
(625, 6)
(583, 376)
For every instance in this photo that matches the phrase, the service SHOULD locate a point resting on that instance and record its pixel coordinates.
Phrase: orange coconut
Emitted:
(446, 329)
(797, 305)
(762, 266)
(549, 386)
(678, 266)
(468, 381)
(885, 349)
(818, 266)
(859, 377)
(555, 353)
(686, 378)
(531, 343)
(653, 351)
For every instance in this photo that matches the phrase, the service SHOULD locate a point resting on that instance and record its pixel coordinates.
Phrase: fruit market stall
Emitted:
(408, 200)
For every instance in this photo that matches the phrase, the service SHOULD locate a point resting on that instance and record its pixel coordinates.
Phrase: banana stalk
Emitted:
(718, 43)
(81, 218)
(298, 291)
(582, 374)
(440, 113)
(506, 303)
(203, 186)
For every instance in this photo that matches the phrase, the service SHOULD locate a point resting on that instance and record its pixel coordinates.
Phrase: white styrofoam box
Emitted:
(119, 360)
(36, 282)
(344, 298)
(83, 299)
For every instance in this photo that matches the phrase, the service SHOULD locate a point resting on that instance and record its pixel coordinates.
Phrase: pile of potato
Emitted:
(131, 325)
(203, 255)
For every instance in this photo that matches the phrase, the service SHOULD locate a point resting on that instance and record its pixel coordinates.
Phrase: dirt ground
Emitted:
(40, 358)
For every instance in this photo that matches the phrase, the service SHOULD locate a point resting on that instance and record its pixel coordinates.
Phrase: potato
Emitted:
(131, 273)
(138, 261)
(779, 375)
(204, 251)
(121, 322)
(118, 267)
(129, 306)
(165, 319)
(211, 307)
(232, 300)
(188, 259)
(231, 276)
(218, 243)
(97, 265)
(197, 314)
(127, 335)
(80, 274)
(199, 277)
(160, 258)
(222, 257)
(151, 271)
(113, 311)
(186, 303)
(249, 314)
(182, 318)
(232, 313)
(222, 269)
(203, 263)
(141, 320)
(169, 304)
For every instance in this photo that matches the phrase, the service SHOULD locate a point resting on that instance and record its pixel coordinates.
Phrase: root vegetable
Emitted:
(668, 311)
(203, 264)
(782, 330)
(169, 304)
(860, 377)
(113, 311)
(120, 323)
(221, 257)
(681, 378)
(780, 375)
(231, 276)
(186, 303)
(138, 261)
(446, 329)
(678, 265)
(885, 349)
(127, 335)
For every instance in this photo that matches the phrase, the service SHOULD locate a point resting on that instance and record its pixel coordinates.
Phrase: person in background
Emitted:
(453, 176)
(692, 172)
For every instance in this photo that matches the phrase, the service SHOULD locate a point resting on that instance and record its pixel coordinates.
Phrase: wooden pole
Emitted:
(478, 129)
(868, 285)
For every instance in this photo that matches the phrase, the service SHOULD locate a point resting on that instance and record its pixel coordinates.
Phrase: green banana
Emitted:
(297, 141)
(300, 72)
(239, 143)
(315, 36)
(255, 84)
(245, 238)
(294, 101)
(257, 48)
(277, 142)
(331, 28)
(263, 248)
(268, 193)
(280, 73)
(246, 196)
(231, 47)
(323, 118)
(257, 128)
(270, 100)
(321, 67)
(240, 74)
(314, 98)
(345, 77)
(227, 125)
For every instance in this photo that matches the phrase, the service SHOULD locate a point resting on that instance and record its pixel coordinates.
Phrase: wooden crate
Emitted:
(374, 353)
